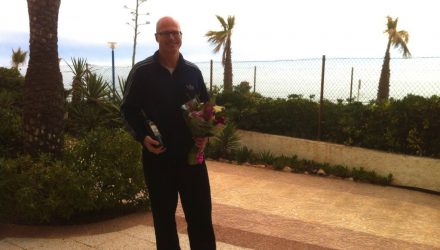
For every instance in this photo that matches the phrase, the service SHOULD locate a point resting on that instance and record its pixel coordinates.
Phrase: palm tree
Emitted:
(80, 70)
(18, 58)
(221, 39)
(398, 39)
(43, 94)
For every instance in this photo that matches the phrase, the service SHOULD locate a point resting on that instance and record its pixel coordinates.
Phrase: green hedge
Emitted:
(408, 126)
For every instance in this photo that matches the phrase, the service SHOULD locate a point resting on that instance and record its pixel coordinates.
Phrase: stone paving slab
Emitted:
(139, 237)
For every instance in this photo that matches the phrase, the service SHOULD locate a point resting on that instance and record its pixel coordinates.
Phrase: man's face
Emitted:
(168, 36)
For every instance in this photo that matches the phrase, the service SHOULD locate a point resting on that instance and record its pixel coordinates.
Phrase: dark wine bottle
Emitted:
(156, 133)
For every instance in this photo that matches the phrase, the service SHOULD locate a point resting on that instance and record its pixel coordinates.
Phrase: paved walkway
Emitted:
(255, 208)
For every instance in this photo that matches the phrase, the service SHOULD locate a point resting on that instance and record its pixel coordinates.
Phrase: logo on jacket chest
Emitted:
(190, 87)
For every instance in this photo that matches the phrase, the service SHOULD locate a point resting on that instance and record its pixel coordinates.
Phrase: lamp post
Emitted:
(112, 45)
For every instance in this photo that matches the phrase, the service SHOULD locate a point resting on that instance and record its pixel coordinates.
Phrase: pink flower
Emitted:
(208, 111)
(220, 120)
(200, 157)
(203, 120)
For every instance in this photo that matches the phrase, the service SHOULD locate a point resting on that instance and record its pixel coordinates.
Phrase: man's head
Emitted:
(168, 35)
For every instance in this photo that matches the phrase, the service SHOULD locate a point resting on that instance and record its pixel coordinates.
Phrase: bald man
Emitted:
(155, 91)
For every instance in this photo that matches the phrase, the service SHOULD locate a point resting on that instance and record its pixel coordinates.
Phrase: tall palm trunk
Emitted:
(383, 91)
(227, 75)
(76, 90)
(43, 109)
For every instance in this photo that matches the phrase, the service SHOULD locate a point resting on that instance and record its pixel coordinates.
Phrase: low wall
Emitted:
(410, 171)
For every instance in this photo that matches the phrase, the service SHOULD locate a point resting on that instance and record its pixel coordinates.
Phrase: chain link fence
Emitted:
(344, 78)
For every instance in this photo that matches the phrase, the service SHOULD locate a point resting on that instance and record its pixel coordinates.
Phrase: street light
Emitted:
(112, 45)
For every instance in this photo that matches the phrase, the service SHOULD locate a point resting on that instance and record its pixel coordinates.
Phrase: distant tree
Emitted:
(243, 88)
(221, 39)
(135, 25)
(18, 58)
(43, 94)
(398, 39)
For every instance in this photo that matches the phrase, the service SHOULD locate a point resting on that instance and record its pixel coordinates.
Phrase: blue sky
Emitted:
(265, 30)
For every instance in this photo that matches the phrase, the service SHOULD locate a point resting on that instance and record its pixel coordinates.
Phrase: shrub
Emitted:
(370, 176)
(266, 157)
(243, 154)
(337, 170)
(11, 81)
(11, 132)
(84, 117)
(40, 191)
(100, 175)
(11, 136)
(282, 161)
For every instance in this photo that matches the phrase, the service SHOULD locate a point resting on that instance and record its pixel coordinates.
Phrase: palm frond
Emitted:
(404, 35)
(79, 68)
(222, 21)
(96, 89)
(231, 22)
(401, 44)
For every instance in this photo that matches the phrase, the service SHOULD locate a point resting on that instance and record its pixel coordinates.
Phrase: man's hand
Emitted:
(153, 145)
(201, 142)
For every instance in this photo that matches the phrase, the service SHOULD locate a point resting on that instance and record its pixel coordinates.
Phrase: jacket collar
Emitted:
(180, 62)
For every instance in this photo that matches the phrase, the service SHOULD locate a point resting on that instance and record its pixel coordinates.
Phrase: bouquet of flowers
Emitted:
(203, 120)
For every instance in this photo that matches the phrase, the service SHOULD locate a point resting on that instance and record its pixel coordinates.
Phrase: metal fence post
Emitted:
(210, 78)
(351, 85)
(321, 99)
(255, 77)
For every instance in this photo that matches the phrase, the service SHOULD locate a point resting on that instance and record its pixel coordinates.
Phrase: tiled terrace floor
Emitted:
(255, 208)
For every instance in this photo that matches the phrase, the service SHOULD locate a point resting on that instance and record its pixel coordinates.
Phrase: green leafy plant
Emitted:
(266, 157)
(11, 102)
(223, 144)
(311, 167)
(243, 154)
(337, 170)
(370, 176)
(281, 162)
(11, 132)
(100, 175)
